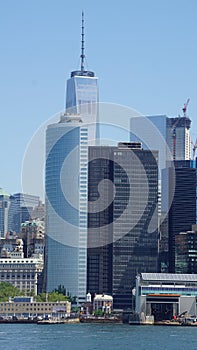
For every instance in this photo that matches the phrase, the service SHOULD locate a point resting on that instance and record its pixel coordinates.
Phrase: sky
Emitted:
(144, 53)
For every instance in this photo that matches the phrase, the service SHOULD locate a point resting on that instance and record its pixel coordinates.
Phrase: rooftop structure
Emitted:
(165, 295)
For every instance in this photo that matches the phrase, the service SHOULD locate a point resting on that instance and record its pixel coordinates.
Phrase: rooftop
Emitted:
(168, 277)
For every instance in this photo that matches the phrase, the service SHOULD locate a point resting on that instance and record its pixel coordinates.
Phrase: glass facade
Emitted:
(66, 206)
(182, 214)
(21, 208)
(123, 225)
(174, 131)
(151, 131)
(82, 99)
(5, 199)
(100, 216)
(135, 234)
(186, 252)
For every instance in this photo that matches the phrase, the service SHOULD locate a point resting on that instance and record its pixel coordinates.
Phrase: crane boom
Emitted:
(184, 109)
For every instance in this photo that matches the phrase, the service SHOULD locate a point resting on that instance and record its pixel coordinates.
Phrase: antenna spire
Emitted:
(82, 44)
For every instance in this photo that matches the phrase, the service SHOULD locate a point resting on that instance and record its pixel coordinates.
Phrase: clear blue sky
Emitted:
(144, 53)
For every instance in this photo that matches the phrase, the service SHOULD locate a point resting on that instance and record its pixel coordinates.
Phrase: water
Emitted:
(94, 337)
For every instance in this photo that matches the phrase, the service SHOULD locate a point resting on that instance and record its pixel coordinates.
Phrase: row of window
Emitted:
(2, 276)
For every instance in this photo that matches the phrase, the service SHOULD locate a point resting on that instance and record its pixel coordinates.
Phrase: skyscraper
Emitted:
(186, 251)
(82, 94)
(135, 232)
(126, 218)
(21, 208)
(5, 200)
(182, 214)
(66, 205)
(153, 131)
(66, 182)
(100, 219)
(178, 137)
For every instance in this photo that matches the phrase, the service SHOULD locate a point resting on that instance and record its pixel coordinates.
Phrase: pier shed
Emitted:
(165, 295)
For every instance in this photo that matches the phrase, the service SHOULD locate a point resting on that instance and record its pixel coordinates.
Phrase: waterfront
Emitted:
(95, 337)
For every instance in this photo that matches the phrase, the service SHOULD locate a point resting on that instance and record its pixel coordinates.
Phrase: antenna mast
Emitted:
(82, 44)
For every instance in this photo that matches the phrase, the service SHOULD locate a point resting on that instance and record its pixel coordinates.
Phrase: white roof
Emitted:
(169, 277)
(103, 297)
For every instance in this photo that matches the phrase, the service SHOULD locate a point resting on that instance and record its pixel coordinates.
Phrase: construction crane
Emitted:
(184, 109)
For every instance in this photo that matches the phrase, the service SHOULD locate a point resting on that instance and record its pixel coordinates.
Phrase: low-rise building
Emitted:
(23, 306)
(103, 302)
(166, 295)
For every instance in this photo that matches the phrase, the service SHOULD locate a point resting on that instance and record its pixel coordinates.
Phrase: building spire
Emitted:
(82, 44)
(82, 72)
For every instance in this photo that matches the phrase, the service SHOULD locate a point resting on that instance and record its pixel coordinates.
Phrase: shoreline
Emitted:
(97, 320)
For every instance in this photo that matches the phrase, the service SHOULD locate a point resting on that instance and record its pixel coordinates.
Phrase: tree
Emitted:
(55, 296)
(8, 290)
(60, 289)
(51, 297)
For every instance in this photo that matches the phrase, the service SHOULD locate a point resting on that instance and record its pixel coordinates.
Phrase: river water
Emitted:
(96, 336)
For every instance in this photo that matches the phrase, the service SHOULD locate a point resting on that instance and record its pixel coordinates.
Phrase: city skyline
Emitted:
(146, 62)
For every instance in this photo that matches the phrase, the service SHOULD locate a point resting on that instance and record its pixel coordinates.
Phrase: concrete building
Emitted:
(24, 306)
(33, 236)
(103, 302)
(165, 295)
(23, 273)
(8, 244)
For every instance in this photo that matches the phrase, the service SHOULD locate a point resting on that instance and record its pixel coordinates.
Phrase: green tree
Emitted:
(40, 297)
(60, 289)
(98, 312)
(55, 296)
(8, 290)
(51, 297)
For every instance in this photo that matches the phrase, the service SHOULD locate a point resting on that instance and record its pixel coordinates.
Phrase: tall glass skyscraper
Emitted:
(66, 182)
(66, 205)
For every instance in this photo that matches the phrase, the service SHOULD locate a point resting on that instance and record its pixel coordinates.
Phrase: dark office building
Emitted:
(182, 214)
(186, 252)
(129, 224)
(100, 220)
